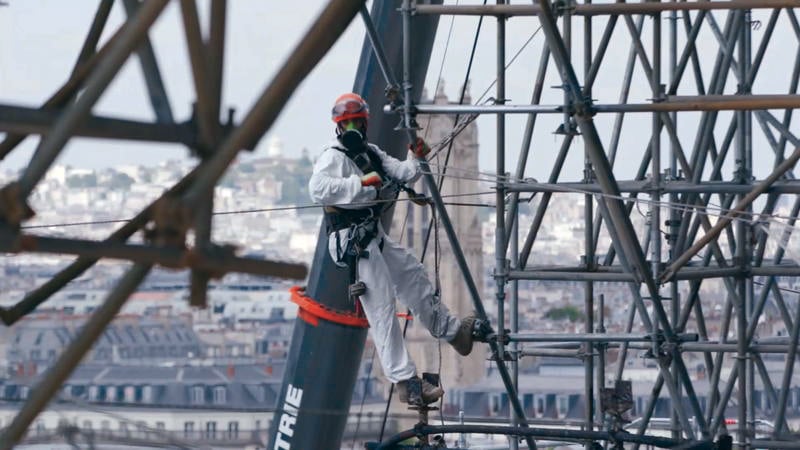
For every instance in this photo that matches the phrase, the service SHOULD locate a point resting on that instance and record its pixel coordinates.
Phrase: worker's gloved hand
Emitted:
(371, 179)
(419, 148)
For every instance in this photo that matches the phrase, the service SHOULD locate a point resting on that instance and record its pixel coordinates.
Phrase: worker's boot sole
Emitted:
(463, 340)
(416, 392)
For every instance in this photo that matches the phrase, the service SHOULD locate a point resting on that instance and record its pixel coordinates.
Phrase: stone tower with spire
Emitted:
(410, 228)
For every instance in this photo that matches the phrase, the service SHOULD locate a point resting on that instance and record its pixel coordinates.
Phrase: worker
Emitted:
(355, 180)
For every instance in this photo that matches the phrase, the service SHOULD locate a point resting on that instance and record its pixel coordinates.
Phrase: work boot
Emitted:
(462, 341)
(416, 391)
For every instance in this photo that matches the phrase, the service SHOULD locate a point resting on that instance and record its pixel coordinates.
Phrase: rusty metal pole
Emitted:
(50, 146)
(73, 355)
(326, 30)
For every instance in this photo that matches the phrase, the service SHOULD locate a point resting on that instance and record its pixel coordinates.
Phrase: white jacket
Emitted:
(337, 179)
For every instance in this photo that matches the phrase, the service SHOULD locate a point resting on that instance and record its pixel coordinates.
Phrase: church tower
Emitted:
(410, 228)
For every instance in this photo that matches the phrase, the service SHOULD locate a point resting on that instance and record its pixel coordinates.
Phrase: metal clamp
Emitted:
(14, 209)
(171, 221)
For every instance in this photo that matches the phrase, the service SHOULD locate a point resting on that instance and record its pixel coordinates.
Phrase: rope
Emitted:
(247, 211)
(363, 398)
(441, 181)
(168, 439)
(513, 58)
(437, 256)
(710, 209)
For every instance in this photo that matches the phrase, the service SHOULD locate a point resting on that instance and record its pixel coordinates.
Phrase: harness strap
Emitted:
(368, 161)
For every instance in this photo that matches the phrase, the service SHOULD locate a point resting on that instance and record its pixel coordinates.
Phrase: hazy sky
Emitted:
(40, 40)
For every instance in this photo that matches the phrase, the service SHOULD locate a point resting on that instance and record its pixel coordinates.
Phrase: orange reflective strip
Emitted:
(311, 311)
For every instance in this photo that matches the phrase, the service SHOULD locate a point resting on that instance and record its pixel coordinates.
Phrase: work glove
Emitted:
(371, 179)
(419, 148)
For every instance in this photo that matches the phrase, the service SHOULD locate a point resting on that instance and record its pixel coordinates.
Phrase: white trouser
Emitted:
(396, 273)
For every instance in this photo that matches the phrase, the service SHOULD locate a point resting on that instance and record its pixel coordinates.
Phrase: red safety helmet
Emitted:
(349, 106)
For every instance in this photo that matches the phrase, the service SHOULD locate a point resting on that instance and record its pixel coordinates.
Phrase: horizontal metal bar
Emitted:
(557, 268)
(707, 103)
(601, 9)
(731, 347)
(758, 443)
(479, 109)
(578, 337)
(543, 433)
(20, 120)
(782, 270)
(556, 346)
(569, 276)
(218, 263)
(616, 274)
(550, 353)
(709, 347)
(667, 187)
(670, 104)
(592, 337)
(702, 273)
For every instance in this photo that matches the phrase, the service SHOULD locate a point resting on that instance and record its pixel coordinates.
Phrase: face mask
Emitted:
(352, 139)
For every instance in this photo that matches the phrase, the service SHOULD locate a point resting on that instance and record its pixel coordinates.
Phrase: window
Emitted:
(40, 428)
(111, 394)
(141, 428)
(130, 394)
(262, 393)
(94, 393)
(796, 398)
(123, 429)
(105, 427)
(211, 430)
(198, 395)
(219, 395)
(87, 425)
(24, 391)
(147, 394)
(494, 404)
(188, 429)
(161, 426)
(562, 405)
(527, 402)
(539, 406)
(233, 430)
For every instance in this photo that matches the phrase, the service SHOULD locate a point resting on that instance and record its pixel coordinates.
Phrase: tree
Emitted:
(120, 181)
(82, 181)
(571, 313)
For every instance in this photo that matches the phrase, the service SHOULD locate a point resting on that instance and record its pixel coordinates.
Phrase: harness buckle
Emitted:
(357, 289)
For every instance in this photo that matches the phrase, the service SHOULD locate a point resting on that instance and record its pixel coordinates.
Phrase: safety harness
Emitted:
(362, 223)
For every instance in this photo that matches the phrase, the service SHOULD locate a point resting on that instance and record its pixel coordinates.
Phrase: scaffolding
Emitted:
(690, 237)
(749, 250)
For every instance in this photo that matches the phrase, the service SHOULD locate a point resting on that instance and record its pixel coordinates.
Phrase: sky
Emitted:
(40, 40)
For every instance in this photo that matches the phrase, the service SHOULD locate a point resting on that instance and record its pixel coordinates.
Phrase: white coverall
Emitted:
(388, 274)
